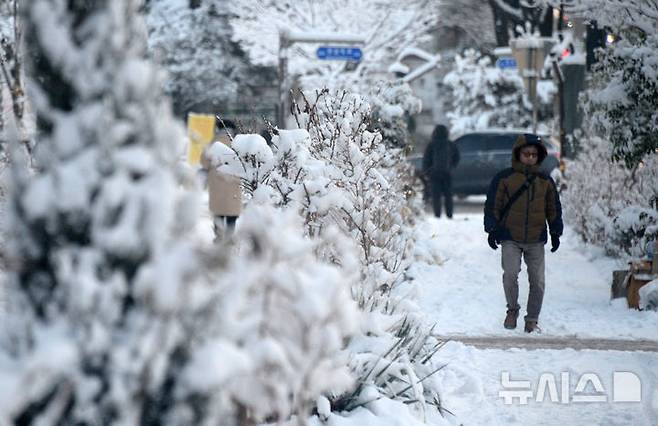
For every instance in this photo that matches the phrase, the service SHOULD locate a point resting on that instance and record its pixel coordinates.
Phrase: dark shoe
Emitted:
(510, 319)
(531, 326)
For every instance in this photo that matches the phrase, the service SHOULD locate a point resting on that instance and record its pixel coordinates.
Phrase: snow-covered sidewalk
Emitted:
(472, 382)
(464, 294)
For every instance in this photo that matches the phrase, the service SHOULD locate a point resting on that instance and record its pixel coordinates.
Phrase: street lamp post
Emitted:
(530, 53)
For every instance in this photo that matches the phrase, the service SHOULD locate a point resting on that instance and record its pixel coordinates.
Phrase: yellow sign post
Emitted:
(200, 132)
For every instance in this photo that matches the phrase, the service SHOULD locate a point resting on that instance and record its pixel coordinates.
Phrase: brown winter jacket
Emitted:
(540, 203)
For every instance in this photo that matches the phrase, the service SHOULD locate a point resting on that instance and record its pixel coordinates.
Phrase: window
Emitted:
(501, 142)
(471, 143)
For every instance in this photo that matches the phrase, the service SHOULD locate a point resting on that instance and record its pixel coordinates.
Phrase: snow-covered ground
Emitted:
(464, 295)
(472, 382)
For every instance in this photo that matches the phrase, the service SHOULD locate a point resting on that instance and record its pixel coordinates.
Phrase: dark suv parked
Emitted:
(483, 154)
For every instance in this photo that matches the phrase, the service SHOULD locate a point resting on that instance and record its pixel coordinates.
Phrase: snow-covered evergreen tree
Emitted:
(621, 101)
(483, 96)
(393, 103)
(619, 209)
(468, 22)
(207, 71)
(112, 316)
(86, 340)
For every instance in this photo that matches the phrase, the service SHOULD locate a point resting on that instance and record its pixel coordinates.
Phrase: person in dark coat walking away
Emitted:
(520, 202)
(441, 156)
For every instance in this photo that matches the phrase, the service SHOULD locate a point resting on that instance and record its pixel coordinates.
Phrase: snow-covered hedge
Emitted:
(337, 174)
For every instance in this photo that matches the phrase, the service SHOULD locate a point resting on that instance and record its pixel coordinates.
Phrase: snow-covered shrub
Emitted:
(337, 172)
(392, 104)
(280, 318)
(484, 96)
(393, 359)
(621, 102)
(649, 296)
(616, 210)
(359, 166)
(632, 228)
(619, 209)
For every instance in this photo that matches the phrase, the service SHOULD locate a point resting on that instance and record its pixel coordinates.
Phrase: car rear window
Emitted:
(471, 143)
(486, 142)
(501, 142)
(491, 142)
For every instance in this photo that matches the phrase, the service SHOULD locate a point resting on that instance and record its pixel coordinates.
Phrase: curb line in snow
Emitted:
(557, 343)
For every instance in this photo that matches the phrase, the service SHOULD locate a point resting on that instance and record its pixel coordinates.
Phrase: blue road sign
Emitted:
(339, 53)
(506, 63)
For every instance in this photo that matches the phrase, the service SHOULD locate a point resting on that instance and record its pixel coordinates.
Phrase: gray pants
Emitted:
(533, 255)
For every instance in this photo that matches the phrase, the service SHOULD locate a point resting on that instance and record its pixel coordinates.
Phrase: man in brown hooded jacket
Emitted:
(520, 226)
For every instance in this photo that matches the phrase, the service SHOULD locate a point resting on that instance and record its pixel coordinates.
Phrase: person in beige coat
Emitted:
(224, 193)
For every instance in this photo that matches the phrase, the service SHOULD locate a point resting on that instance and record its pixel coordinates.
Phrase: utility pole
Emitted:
(560, 92)
(286, 40)
(560, 89)
(532, 75)
(284, 44)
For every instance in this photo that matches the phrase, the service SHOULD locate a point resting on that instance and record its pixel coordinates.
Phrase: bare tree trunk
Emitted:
(11, 66)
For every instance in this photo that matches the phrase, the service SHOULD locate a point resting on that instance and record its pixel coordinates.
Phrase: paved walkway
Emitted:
(539, 342)
(459, 288)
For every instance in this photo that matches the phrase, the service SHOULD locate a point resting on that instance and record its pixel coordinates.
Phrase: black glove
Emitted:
(492, 241)
(555, 243)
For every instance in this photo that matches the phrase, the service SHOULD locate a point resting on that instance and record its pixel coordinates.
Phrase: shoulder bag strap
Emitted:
(515, 197)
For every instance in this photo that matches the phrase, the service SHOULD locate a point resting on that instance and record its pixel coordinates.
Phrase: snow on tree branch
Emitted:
(618, 15)
(388, 26)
